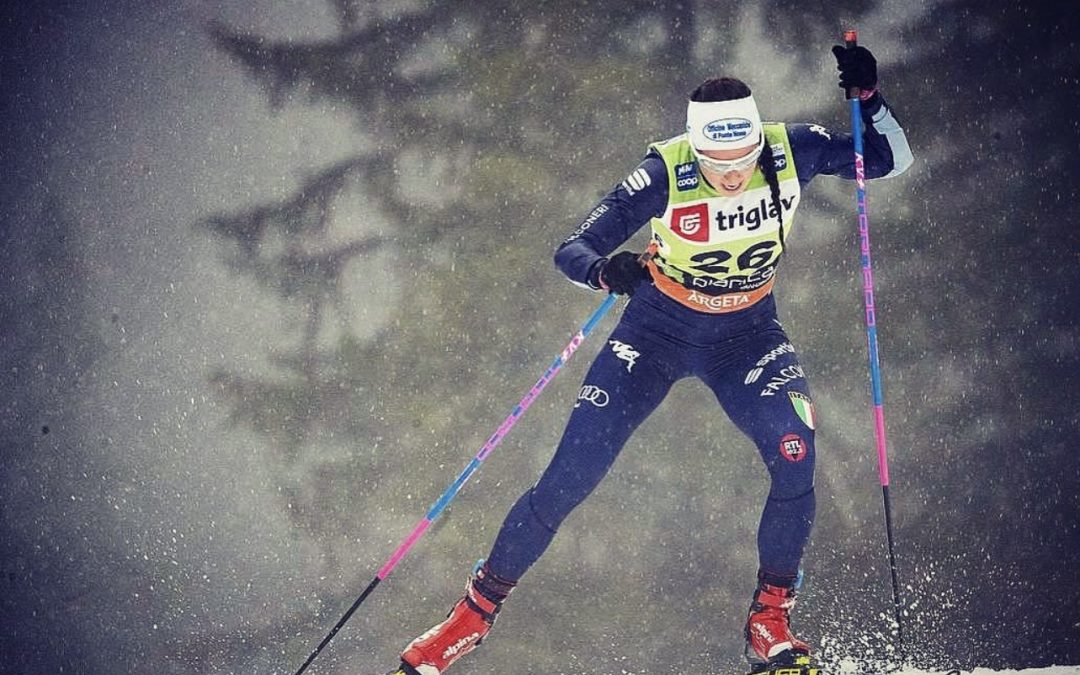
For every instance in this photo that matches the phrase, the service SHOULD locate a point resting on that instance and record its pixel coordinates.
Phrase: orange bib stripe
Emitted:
(709, 304)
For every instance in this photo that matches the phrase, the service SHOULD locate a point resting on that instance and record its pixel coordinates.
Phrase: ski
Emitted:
(808, 669)
(800, 665)
(797, 664)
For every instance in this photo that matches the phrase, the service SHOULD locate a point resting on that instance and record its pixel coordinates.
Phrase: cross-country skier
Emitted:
(721, 200)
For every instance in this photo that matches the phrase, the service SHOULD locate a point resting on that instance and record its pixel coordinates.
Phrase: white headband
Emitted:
(723, 125)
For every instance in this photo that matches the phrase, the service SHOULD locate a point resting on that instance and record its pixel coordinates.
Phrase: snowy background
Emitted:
(271, 272)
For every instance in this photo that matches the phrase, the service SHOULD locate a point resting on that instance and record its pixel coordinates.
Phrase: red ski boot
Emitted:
(768, 633)
(467, 624)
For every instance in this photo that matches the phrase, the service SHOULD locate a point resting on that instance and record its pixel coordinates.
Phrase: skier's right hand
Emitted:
(622, 273)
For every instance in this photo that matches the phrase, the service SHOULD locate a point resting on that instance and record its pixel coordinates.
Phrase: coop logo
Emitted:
(793, 448)
(779, 156)
(593, 394)
(686, 176)
(691, 222)
(728, 129)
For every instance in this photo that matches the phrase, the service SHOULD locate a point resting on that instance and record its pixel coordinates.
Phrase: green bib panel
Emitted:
(714, 244)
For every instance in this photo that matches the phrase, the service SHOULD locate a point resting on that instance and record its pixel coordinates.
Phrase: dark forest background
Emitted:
(272, 272)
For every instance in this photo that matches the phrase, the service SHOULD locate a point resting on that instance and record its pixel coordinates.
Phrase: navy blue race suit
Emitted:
(743, 356)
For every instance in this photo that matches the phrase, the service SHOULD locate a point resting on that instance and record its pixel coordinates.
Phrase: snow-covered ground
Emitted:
(1054, 670)
(851, 669)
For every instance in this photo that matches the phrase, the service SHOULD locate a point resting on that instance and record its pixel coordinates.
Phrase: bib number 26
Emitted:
(753, 258)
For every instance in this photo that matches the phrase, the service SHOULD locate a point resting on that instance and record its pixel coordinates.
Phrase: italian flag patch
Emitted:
(804, 408)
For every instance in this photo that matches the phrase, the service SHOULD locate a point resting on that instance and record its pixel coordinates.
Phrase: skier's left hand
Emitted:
(858, 68)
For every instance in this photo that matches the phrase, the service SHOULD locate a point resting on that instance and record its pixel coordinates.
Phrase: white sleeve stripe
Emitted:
(583, 285)
(637, 181)
(887, 126)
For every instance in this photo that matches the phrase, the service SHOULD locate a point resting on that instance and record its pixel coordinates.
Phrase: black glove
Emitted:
(857, 66)
(621, 273)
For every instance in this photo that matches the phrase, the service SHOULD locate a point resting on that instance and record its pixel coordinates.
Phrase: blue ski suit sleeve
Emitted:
(621, 213)
(818, 150)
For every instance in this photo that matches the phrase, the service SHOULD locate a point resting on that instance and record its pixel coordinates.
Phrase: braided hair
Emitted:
(730, 89)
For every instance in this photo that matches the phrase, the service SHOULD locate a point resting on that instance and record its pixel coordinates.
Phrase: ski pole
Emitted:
(850, 41)
(452, 491)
